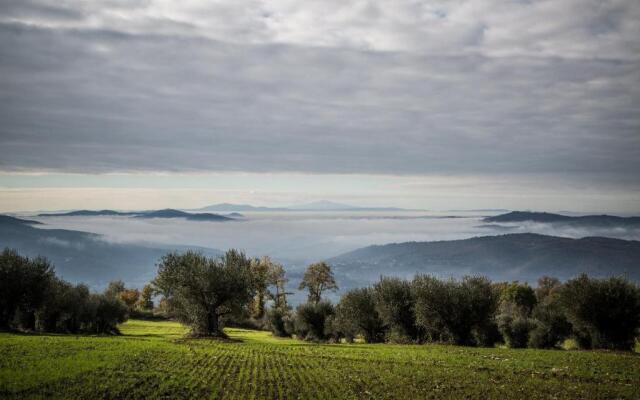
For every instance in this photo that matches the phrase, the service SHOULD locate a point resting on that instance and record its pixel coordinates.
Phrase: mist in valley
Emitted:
(296, 239)
(290, 237)
(303, 237)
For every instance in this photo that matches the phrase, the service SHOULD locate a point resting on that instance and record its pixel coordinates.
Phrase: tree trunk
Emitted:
(213, 325)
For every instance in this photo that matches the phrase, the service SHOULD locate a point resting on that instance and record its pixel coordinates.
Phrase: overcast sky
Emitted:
(430, 104)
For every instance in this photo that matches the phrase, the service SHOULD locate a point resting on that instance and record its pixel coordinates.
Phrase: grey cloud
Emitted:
(166, 92)
(33, 9)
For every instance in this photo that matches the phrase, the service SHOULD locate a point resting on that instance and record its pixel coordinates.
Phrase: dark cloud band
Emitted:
(175, 97)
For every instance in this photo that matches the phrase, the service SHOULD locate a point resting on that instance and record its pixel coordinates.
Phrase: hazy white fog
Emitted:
(301, 237)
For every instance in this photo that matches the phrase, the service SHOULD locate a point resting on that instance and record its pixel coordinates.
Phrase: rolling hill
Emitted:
(89, 213)
(524, 257)
(586, 220)
(171, 213)
(86, 257)
(165, 213)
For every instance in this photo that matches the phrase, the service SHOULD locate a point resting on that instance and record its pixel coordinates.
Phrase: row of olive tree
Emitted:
(207, 293)
(597, 313)
(396, 310)
(32, 298)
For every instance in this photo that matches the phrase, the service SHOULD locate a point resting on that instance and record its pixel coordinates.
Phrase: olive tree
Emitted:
(461, 312)
(311, 320)
(279, 316)
(115, 288)
(395, 305)
(278, 280)
(551, 324)
(23, 287)
(317, 278)
(66, 309)
(202, 291)
(356, 314)
(260, 268)
(146, 298)
(517, 301)
(604, 313)
(105, 313)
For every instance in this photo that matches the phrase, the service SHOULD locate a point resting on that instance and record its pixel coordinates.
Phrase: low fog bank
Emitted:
(297, 239)
(291, 237)
(563, 230)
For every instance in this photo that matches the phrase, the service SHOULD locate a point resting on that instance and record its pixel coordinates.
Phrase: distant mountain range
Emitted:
(524, 257)
(586, 220)
(205, 213)
(86, 257)
(228, 207)
(165, 213)
(90, 213)
(322, 205)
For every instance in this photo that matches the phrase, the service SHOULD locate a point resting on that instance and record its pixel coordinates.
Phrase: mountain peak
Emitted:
(322, 205)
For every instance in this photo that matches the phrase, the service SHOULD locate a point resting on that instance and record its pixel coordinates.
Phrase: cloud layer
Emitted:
(373, 87)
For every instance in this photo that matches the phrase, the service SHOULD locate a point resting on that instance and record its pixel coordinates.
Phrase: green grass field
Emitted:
(151, 360)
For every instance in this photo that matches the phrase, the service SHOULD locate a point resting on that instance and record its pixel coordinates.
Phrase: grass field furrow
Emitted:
(218, 376)
(152, 361)
(215, 375)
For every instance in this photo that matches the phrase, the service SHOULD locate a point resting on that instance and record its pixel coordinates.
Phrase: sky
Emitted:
(136, 104)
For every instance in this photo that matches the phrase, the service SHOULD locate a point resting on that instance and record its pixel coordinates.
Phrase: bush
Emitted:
(515, 330)
(551, 324)
(280, 322)
(148, 315)
(311, 320)
(107, 313)
(487, 335)
(336, 331)
(395, 306)
(460, 312)
(604, 313)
